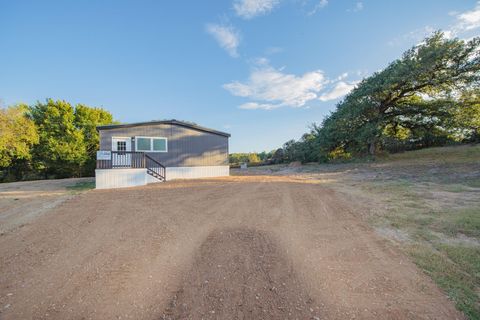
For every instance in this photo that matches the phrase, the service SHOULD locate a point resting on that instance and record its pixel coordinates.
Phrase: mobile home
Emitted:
(147, 152)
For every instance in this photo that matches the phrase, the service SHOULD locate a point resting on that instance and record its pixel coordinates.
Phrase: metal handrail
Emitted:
(155, 168)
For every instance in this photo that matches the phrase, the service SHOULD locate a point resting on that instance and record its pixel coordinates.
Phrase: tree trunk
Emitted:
(372, 148)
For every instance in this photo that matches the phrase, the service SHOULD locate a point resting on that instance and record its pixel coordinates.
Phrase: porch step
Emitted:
(155, 175)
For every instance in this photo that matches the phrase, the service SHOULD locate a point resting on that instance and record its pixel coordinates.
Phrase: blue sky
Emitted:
(263, 70)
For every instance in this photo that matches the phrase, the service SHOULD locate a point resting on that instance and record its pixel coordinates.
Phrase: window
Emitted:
(151, 144)
(159, 145)
(121, 146)
(143, 144)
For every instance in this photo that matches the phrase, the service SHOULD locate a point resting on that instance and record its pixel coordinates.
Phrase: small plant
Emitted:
(82, 186)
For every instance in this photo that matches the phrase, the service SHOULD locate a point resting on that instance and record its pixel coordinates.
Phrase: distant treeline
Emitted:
(272, 157)
(428, 97)
(49, 140)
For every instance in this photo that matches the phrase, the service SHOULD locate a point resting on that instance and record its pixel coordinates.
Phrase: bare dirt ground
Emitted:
(20, 202)
(252, 247)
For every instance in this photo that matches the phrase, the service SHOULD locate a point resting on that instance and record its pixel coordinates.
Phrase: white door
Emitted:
(122, 157)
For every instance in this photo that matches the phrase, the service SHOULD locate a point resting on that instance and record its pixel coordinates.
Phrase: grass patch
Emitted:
(454, 154)
(456, 188)
(394, 188)
(466, 257)
(466, 221)
(459, 285)
(82, 186)
(473, 182)
(454, 267)
(456, 222)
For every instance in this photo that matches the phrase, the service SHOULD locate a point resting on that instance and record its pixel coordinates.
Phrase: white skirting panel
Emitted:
(197, 172)
(120, 178)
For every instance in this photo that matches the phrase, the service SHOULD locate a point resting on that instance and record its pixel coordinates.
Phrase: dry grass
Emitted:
(433, 198)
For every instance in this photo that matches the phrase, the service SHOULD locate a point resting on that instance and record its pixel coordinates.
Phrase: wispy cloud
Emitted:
(463, 26)
(255, 105)
(340, 89)
(273, 50)
(227, 37)
(248, 9)
(465, 21)
(358, 7)
(270, 88)
(415, 36)
(320, 5)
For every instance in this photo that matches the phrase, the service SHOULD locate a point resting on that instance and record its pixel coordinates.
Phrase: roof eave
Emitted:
(172, 122)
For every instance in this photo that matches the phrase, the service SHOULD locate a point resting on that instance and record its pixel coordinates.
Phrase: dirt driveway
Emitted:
(22, 202)
(235, 248)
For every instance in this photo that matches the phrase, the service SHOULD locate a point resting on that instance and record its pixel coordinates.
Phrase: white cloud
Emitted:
(271, 88)
(227, 37)
(449, 34)
(261, 61)
(248, 9)
(340, 89)
(465, 22)
(321, 4)
(342, 76)
(255, 105)
(470, 19)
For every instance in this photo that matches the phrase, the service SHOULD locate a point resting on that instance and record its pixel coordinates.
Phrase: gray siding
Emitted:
(186, 147)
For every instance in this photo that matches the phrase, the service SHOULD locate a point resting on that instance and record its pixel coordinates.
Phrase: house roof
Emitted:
(172, 122)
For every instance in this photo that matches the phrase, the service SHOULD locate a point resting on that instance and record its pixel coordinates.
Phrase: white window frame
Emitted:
(128, 140)
(151, 143)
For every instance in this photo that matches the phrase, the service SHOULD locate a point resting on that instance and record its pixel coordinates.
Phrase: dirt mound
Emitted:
(295, 164)
(238, 274)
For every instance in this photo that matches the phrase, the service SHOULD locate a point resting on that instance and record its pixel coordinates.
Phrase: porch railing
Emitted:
(123, 159)
(133, 159)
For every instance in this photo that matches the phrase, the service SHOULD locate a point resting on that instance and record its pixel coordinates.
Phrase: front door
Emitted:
(121, 156)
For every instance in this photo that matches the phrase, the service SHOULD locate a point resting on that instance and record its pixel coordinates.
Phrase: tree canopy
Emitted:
(17, 135)
(51, 139)
(62, 148)
(427, 97)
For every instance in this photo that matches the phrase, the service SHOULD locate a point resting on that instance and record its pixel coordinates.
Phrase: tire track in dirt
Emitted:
(240, 274)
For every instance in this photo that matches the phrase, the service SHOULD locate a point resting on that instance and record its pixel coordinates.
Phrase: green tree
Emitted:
(410, 103)
(466, 115)
(263, 156)
(278, 156)
(253, 158)
(17, 136)
(236, 158)
(61, 150)
(87, 119)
